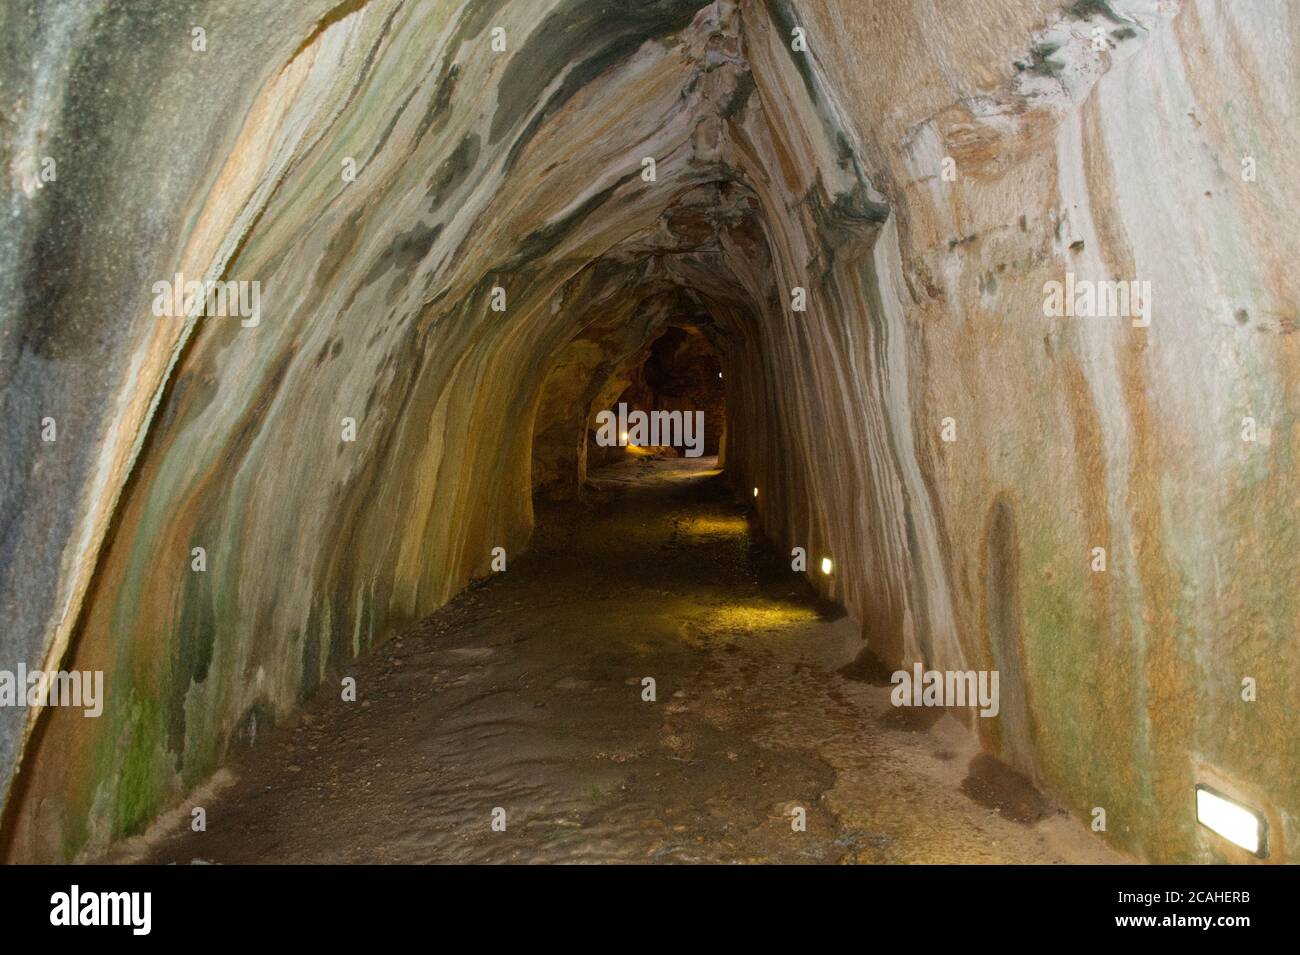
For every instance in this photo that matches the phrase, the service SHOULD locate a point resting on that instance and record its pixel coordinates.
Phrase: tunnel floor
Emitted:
(525, 693)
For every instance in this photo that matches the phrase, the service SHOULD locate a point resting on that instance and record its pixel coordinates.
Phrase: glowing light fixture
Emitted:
(1241, 826)
(827, 566)
(755, 492)
(624, 437)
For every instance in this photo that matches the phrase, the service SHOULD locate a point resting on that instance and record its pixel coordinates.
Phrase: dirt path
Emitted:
(526, 694)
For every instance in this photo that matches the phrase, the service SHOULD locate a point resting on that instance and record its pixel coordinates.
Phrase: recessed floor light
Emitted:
(1241, 826)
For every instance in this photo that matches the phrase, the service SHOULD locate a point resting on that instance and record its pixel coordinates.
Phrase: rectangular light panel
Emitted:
(1231, 820)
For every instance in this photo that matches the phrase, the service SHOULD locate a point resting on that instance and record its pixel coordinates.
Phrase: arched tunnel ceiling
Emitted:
(522, 170)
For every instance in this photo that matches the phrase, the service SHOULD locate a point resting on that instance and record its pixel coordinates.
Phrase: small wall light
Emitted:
(624, 436)
(1241, 826)
(755, 492)
(827, 566)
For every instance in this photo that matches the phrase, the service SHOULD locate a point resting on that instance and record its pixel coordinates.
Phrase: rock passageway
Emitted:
(526, 693)
(896, 239)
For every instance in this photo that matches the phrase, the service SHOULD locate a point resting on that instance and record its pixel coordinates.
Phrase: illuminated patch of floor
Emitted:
(716, 526)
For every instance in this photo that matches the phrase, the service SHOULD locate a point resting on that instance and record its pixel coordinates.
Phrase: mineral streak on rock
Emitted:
(388, 177)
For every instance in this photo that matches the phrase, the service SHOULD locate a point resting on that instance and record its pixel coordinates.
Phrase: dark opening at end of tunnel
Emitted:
(666, 399)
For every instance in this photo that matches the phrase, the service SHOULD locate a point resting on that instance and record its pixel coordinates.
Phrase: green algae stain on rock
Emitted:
(140, 766)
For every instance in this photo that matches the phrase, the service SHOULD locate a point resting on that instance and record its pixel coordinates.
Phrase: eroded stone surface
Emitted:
(526, 694)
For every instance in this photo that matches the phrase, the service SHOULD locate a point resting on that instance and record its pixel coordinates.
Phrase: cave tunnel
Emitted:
(326, 342)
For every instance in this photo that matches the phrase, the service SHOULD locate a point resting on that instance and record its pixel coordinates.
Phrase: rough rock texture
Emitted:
(775, 169)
